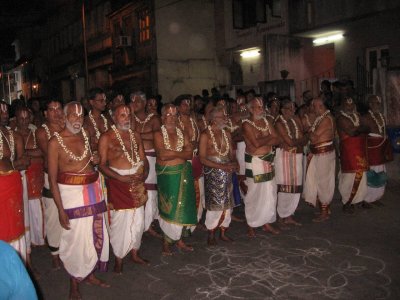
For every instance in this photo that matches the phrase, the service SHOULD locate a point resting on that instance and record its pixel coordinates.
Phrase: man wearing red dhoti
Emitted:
(379, 152)
(353, 156)
(12, 227)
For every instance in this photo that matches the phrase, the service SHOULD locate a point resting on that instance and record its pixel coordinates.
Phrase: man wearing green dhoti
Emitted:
(176, 194)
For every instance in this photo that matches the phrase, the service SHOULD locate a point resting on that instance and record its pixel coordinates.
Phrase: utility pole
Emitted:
(85, 47)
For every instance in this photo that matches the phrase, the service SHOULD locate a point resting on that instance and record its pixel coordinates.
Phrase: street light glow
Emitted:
(250, 53)
(328, 39)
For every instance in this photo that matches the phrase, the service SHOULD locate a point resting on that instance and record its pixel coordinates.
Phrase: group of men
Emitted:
(105, 177)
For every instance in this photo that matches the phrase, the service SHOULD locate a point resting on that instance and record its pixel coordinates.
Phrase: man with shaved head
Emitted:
(319, 184)
(123, 162)
(260, 201)
(77, 194)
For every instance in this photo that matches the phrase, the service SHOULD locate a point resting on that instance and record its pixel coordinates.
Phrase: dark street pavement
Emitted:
(347, 257)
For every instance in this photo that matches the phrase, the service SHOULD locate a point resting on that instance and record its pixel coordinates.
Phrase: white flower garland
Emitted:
(194, 128)
(143, 123)
(47, 131)
(220, 153)
(231, 127)
(318, 120)
(69, 152)
(355, 121)
(263, 129)
(134, 146)
(96, 129)
(381, 126)
(167, 145)
(285, 123)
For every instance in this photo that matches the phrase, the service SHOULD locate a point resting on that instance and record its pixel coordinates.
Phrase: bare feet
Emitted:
(181, 245)
(154, 233)
(137, 259)
(201, 227)
(289, 220)
(237, 219)
(282, 225)
(250, 232)
(55, 262)
(74, 293)
(321, 218)
(211, 241)
(270, 229)
(118, 265)
(93, 280)
(166, 249)
(223, 236)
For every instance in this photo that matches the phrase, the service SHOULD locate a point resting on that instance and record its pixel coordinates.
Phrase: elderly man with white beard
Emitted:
(75, 185)
(260, 201)
(123, 162)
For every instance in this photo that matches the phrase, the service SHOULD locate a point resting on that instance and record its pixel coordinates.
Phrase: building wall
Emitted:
(186, 56)
(260, 68)
(379, 30)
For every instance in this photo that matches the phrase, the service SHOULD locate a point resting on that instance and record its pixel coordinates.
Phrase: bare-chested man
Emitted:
(12, 227)
(54, 118)
(176, 195)
(319, 184)
(378, 147)
(95, 123)
(123, 162)
(146, 125)
(33, 180)
(75, 185)
(260, 201)
(353, 156)
(289, 162)
(217, 156)
(188, 124)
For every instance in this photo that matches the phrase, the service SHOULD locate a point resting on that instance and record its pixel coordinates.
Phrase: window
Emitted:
(248, 13)
(144, 26)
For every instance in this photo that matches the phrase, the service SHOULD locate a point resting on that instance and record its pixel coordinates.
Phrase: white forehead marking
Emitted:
(78, 110)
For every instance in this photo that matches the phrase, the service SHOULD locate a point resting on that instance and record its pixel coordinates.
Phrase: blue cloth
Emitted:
(15, 283)
(236, 190)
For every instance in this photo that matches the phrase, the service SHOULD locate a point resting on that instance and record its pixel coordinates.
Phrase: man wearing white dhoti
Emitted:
(289, 162)
(52, 227)
(379, 152)
(76, 187)
(123, 162)
(219, 162)
(260, 201)
(145, 124)
(319, 184)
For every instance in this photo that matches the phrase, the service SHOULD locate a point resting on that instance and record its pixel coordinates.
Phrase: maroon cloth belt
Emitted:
(353, 154)
(315, 149)
(150, 186)
(150, 153)
(125, 195)
(76, 178)
(86, 211)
